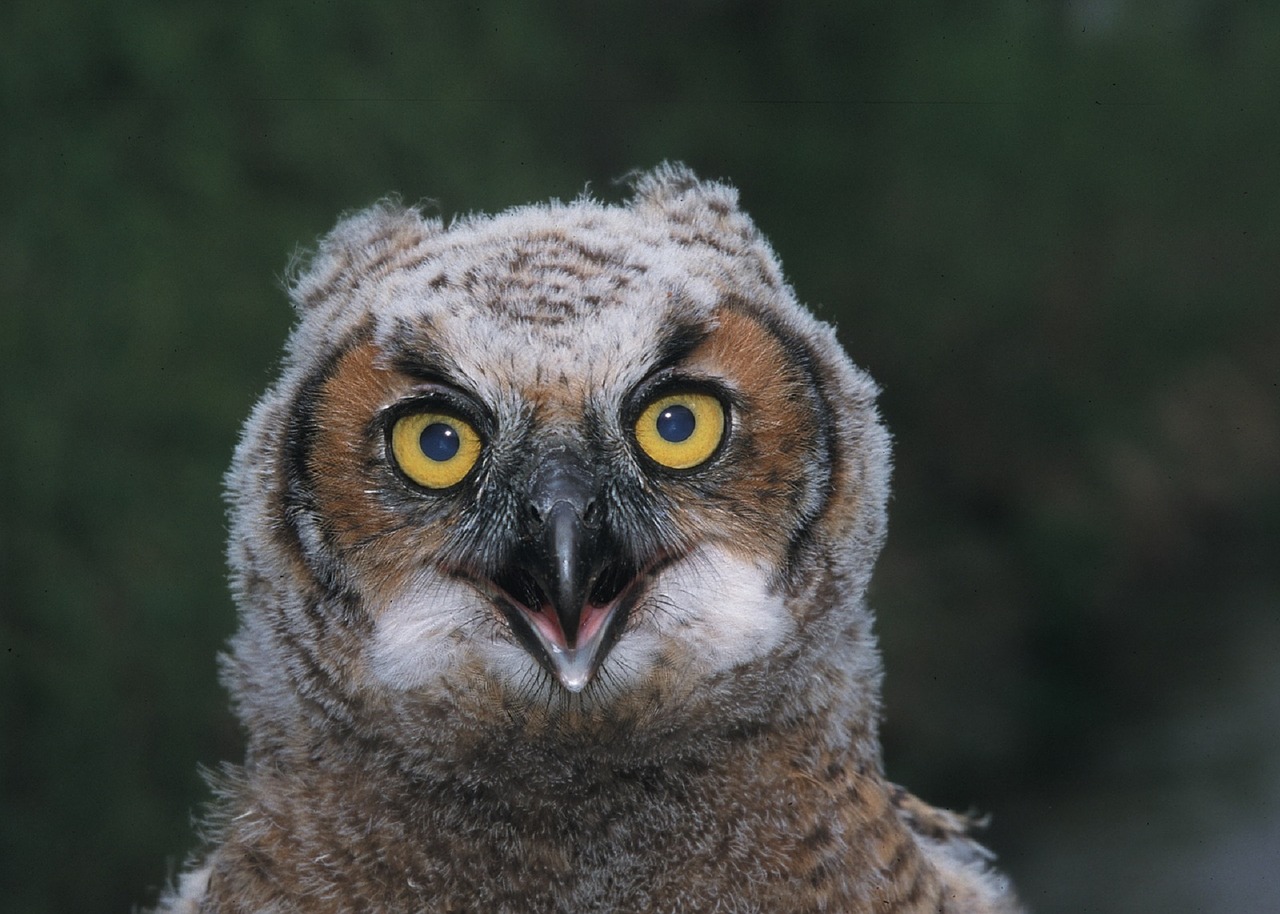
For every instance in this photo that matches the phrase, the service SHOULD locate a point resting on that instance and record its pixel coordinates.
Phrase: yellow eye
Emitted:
(681, 430)
(435, 450)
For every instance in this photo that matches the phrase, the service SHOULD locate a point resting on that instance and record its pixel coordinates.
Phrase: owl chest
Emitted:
(650, 857)
(748, 853)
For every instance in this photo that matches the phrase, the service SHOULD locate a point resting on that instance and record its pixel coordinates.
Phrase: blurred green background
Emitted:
(1050, 230)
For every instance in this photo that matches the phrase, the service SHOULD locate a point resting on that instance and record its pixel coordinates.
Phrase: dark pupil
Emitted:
(439, 441)
(675, 423)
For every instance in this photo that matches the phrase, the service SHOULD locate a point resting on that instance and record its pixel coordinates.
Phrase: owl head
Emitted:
(574, 472)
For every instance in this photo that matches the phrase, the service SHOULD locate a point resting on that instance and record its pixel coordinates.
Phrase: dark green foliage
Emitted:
(1049, 230)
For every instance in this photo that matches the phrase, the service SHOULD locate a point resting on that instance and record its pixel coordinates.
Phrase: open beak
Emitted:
(567, 588)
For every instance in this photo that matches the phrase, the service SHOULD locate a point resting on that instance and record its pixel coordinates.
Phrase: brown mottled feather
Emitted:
(806, 832)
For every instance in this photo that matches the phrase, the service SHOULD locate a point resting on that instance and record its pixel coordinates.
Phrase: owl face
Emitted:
(569, 460)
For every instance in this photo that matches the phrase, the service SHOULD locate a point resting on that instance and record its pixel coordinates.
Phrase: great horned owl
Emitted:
(551, 546)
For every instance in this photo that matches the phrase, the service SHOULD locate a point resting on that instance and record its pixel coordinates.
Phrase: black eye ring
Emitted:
(678, 425)
(435, 438)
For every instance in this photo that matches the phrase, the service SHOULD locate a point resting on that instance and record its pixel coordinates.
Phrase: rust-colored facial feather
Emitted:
(777, 441)
(353, 480)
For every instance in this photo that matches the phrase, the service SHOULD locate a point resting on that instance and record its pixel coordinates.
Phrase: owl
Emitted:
(551, 545)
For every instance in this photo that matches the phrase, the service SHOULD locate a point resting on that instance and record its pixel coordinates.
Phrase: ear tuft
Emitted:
(674, 189)
(369, 242)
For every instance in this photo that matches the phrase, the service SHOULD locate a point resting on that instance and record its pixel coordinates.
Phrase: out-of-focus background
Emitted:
(1050, 230)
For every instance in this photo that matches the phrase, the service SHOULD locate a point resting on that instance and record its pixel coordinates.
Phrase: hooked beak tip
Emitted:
(573, 680)
(575, 667)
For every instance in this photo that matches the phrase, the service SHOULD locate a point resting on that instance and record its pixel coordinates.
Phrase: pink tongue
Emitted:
(593, 617)
(589, 625)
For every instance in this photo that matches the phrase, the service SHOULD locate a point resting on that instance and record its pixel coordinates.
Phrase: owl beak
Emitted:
(573, 566)
(568, 590)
